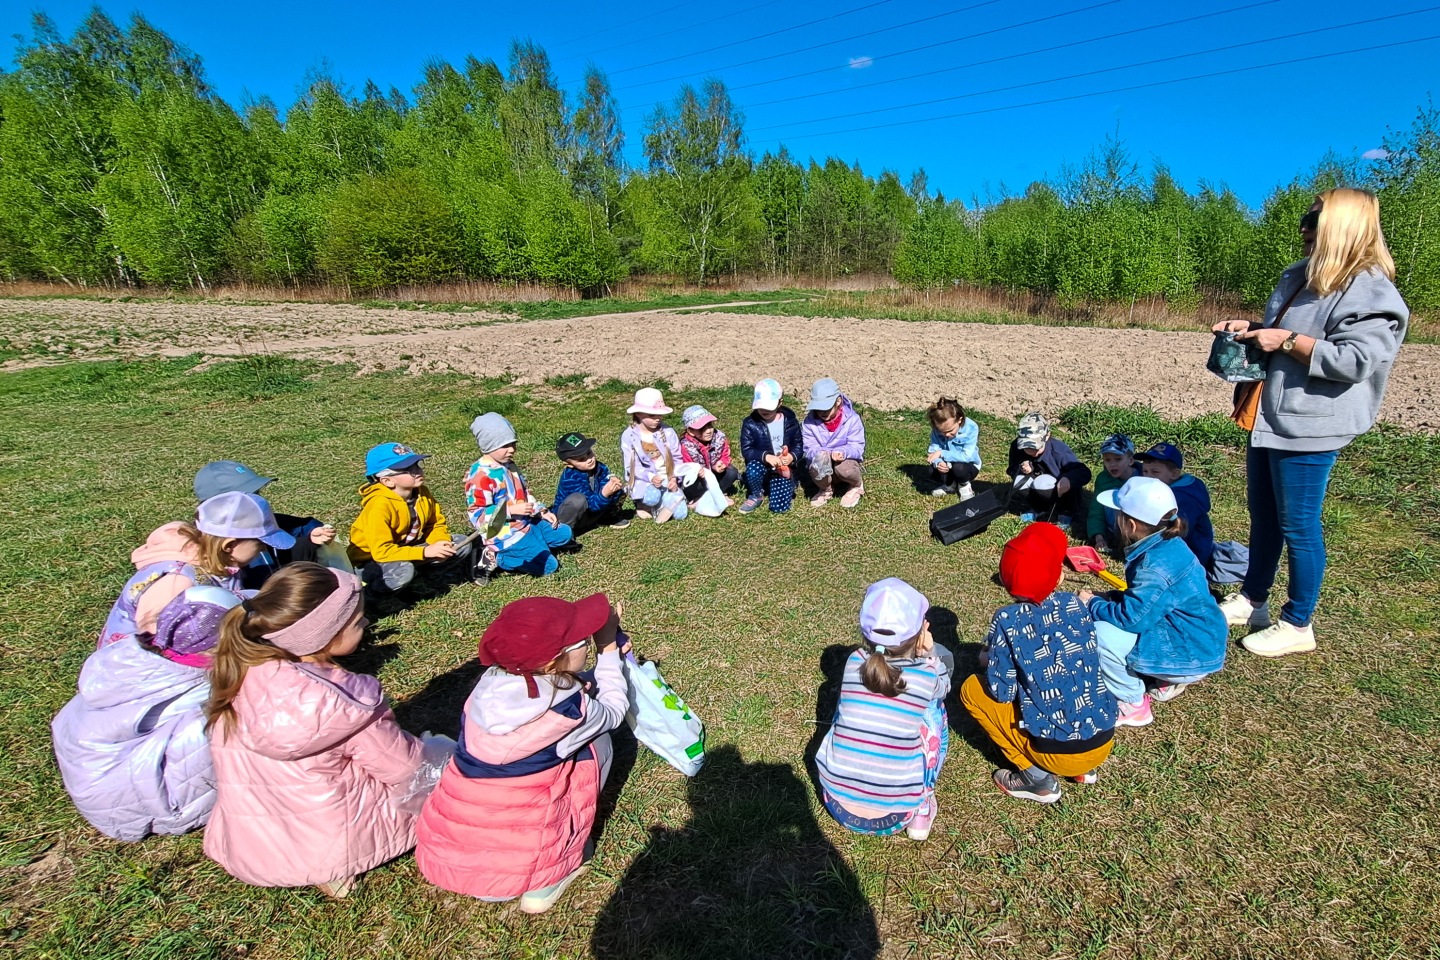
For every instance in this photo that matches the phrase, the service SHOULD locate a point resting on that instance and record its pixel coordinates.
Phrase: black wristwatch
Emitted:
(1289, 343)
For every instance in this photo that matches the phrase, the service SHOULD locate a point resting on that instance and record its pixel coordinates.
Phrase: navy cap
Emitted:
(227, 476)
(1164, 451)
(391, 456)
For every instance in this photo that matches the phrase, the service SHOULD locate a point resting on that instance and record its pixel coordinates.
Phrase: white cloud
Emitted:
(860, 63)
(1379, 153)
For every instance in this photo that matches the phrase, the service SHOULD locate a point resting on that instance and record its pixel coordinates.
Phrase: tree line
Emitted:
(119, 165)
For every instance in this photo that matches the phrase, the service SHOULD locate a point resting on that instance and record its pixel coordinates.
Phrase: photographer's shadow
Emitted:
(751, 875)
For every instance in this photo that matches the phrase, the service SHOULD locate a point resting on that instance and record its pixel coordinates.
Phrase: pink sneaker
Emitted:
(1135, 714)
(852, 497)
(918, 828)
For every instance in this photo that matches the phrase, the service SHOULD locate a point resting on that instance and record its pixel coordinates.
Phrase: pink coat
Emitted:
(514, 809)
(305, 778)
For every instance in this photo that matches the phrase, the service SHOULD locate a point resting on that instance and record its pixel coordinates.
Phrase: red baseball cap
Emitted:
(1030, 563)
(530, 633)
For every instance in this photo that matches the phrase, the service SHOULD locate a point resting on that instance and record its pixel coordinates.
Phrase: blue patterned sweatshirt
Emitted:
(589, 483)
(1045, 660)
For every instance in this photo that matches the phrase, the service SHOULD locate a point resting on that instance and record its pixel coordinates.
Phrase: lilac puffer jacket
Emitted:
(307, 777)
(848, 437)
(131, 744)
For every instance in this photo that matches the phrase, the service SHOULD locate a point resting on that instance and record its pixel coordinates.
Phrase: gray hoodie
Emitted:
(1357, 330)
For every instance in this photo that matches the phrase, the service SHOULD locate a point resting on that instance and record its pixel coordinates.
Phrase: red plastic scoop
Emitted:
(1088, 560)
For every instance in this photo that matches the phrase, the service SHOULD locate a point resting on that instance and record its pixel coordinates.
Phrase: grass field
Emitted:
(1280, 809)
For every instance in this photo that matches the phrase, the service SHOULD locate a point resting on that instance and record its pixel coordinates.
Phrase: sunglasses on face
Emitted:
(1310, 221)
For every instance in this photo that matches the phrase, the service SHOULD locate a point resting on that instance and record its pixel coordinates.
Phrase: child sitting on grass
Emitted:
(706, 444)
(400, 524)
(229, 531)
(1040, 698)
(231, 476)
(588, 494)
(650, 450)
(514, 810)
(1045, 472)
(834, 444)
(524, 535)
(954, 452)
(1164, 629)
(1166, 463)
(770, 442)
(131, 744)
(892, 693)
(308, 757)
(1117, 454)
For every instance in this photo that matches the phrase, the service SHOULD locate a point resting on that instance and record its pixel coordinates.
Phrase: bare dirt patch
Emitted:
(891, 364)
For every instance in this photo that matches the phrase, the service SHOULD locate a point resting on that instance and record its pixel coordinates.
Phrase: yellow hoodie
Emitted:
(382, 531)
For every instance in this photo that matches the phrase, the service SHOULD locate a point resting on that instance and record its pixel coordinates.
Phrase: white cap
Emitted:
(767, 395)
(1146, 499)
(242, 516)
(893, 613)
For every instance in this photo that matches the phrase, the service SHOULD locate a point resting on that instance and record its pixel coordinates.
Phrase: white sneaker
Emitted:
(538, 901)
(941, 491)
(1240, 612)
(966, 491)
(1279, 639)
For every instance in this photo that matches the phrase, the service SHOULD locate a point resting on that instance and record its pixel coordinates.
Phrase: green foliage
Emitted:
(390, 229)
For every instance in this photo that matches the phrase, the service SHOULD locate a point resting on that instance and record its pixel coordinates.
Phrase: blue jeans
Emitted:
(1286, 491)
(532, 553)
(1125, 684)
(761, 480)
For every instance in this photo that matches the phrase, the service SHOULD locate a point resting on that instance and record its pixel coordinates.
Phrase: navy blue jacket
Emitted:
(1057, 460)
(755, 437)
(1193, 501)
(588, 483)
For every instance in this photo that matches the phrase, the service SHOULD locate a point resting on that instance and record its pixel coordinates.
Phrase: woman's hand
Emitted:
(1269, 339)
(1231, 326)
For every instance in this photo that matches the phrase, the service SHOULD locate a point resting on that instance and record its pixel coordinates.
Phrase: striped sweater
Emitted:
(870, 761)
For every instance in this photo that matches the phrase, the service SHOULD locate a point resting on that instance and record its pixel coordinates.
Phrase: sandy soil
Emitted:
(890, 364)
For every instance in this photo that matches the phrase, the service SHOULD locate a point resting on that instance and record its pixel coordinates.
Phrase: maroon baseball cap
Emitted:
(529, 633)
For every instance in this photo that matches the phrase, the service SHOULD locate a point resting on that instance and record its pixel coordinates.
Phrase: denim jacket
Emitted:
(1168, 605)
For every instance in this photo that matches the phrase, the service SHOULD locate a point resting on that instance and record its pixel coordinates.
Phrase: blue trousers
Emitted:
(1286, 491)
(1125, 684)
(532, 554)
(762, 481)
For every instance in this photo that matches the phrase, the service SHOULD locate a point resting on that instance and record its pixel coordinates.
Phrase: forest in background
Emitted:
(120, 166)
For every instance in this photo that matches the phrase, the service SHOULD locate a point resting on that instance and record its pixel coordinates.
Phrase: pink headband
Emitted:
(312, 632)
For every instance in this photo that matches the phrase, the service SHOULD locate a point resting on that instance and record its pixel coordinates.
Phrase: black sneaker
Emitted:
(1045, 790)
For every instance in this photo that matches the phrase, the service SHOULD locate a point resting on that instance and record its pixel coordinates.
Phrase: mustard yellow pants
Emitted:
(1001, 722)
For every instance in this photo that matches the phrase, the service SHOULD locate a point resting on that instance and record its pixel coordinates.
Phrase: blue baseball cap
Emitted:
(1164, 451)
(227, 476)
(1118, 443)
(391, 456)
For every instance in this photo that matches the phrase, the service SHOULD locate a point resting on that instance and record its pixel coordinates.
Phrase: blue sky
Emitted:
(838, 78)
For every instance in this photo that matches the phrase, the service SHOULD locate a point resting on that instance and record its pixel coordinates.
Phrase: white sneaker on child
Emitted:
(538, 901)
(966, 491)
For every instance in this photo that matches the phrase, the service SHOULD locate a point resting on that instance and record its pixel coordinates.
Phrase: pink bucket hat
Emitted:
(649, 400)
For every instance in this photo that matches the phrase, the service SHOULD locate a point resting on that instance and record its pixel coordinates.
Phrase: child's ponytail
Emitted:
(288, 596)
(880, 675)
(1173, 525)
(946, 409)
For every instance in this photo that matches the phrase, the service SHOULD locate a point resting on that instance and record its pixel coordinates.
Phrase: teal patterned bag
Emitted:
(1234, 361)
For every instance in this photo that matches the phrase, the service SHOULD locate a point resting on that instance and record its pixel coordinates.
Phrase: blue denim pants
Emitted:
(1125, 684)
(1286, 491)
(532, 553)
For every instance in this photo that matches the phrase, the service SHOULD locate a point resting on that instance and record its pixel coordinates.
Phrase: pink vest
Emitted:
(501, 835)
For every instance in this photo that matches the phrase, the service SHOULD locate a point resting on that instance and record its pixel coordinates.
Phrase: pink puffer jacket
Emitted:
(305, 778)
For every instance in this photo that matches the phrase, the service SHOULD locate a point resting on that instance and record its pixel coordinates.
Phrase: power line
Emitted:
(1093, 73)
(772, 33)
(1102, 93)
(981, 63)
(616, 26)
(685, 29)
(788, 53)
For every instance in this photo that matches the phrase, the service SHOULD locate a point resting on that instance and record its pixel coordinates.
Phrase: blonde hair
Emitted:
(1348, 241)
(289, 595)
(214, 561)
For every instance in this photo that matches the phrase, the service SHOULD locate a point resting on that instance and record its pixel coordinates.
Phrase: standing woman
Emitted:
(1331, 330)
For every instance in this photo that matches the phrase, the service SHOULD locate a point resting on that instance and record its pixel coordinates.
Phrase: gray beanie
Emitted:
(492, 432)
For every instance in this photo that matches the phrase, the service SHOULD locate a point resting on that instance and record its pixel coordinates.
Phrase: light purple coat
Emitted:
(131, 744)
(848, 437)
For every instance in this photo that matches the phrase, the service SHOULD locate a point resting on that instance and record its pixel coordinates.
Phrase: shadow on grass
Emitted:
(751, 875)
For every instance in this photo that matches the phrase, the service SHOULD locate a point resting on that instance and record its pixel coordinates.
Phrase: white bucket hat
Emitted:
(649, 400)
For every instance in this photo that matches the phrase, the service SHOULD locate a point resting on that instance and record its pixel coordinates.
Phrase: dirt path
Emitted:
(890, 364)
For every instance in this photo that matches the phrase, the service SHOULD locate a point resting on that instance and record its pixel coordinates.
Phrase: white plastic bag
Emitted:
(711, 503)
(660, 718)
(436, 751)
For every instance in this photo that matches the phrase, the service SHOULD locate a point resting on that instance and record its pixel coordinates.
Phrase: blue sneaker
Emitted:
(749, 505)
(1029, 516)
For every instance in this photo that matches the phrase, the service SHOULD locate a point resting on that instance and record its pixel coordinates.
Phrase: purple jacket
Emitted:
(131, 744)
(848, 437)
